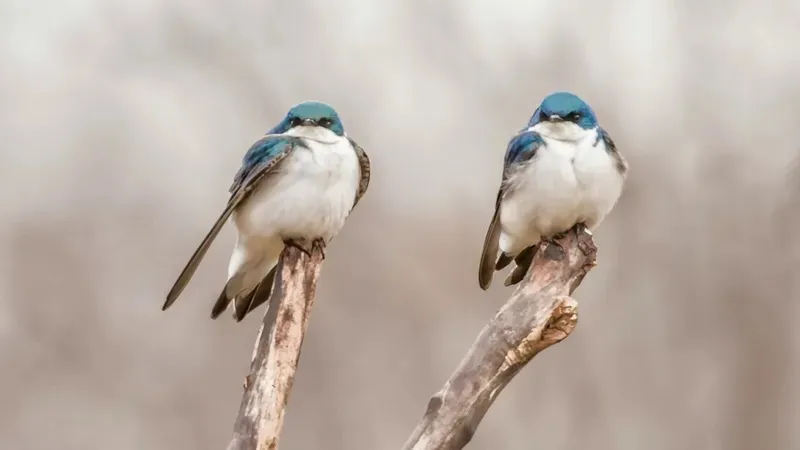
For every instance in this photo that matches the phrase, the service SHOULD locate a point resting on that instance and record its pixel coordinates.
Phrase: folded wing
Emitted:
(263, 157)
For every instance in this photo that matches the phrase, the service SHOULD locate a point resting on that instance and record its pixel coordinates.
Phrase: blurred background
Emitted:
(122, 123)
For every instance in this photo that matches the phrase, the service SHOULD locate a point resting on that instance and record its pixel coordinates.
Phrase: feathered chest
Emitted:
(323, 161)
(310, 194)
(563, 183)
(566, 166)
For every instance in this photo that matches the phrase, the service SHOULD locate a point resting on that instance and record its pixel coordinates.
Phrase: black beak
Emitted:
(308, 122)
(555, 118)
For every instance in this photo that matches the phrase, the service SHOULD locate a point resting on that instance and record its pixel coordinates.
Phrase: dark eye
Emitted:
(576, 116)
(325, 122)
(295, 121)
(542, 116)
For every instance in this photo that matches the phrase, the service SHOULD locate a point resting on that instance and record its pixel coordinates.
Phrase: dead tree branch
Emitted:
(277, 352)
(539, 314)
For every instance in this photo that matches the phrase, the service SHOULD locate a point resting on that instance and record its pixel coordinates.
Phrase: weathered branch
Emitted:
(277, 352)
(539, 314)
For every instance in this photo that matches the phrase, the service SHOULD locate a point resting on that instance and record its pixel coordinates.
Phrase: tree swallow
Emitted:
(299, 182)
(563, 169)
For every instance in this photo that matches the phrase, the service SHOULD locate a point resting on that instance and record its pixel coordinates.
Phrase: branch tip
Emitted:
(538, 315)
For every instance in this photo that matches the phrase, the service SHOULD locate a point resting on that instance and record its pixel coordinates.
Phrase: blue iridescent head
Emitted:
(564, 107)
(310, 114)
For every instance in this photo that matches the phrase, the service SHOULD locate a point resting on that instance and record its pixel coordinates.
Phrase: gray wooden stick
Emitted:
(277, 352)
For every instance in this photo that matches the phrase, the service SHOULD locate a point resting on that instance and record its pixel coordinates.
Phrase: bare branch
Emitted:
(539, 314)
(277, 352)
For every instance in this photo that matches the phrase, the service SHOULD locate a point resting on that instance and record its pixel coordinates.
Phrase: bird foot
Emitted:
(582, 228)
(319, 244)
(553, 240)
(316, 244)
(300, 245)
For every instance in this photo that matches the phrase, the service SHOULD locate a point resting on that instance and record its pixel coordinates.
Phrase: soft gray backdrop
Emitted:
(123, 121)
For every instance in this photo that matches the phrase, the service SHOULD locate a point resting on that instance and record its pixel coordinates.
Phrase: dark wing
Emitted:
(611, 148)
(490, 247)
(363, 162)
(521, 149)
(262, 158)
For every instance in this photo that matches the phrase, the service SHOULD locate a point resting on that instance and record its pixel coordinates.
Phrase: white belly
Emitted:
(566, 183)
(309, 197)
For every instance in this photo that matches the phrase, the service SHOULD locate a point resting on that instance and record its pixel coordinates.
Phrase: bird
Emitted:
(561, 170)
(296, 184)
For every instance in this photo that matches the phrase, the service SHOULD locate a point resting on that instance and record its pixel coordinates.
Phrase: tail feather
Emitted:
(259, 296)
(523, 263)
(491, 245)
(221, 304)
(191, 266)
(243, 303)
(503, 261)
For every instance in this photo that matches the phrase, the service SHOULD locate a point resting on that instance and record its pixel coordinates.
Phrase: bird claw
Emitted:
(319, 244)
(297, 245)
(582, 228)
(552, 241)
(316, 244)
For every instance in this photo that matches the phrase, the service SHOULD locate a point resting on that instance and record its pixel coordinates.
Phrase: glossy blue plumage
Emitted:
(522, 147)
(261, 152)
(313, 112)
(563, 105)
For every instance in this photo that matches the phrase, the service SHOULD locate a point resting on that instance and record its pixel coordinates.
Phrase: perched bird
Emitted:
(299, 182)
(562, 170)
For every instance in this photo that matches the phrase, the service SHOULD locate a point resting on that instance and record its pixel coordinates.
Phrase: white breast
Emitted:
(311, 194)
(599, 179)
(567, 182)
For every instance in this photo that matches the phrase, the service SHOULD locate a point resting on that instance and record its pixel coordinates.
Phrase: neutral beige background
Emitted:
(123, 121)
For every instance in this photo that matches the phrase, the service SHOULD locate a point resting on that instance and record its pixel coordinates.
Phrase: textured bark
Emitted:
(277, 352)
(539, 314)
